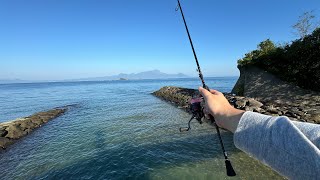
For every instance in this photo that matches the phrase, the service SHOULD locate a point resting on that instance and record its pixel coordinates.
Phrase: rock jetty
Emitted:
(13, 130)
(295, 111)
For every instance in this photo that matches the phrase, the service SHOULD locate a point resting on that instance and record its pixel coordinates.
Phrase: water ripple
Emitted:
(118, 131)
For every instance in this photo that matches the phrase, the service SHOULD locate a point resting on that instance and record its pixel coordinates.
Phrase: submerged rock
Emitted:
(4, 142)
(298, 112)
(13, 130)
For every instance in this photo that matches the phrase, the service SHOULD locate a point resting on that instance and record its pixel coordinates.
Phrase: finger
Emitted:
(213, 91)
(206, 112)
(205, 93)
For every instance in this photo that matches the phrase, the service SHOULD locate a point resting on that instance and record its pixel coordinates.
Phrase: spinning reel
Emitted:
(197, 112)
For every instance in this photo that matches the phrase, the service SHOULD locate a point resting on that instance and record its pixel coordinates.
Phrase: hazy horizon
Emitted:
(107, 78)
(191, 75)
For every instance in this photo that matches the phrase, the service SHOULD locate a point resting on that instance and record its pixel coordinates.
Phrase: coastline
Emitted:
(180, 97)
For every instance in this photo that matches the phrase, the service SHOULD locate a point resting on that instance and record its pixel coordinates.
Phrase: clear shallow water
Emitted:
(117, 131)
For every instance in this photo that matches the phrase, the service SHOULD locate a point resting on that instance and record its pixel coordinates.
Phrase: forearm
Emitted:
(278, 143)
(311, 131)
(230, 120)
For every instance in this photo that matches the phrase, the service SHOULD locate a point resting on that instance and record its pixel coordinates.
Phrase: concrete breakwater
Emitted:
(299, 112)
(13, 130)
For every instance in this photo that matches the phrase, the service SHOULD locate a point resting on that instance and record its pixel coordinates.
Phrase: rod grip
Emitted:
(230, 170)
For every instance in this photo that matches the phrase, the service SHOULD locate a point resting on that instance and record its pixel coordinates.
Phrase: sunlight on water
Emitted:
(117, 131)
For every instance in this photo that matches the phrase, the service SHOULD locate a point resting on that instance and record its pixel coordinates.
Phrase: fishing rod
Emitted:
(196, 108)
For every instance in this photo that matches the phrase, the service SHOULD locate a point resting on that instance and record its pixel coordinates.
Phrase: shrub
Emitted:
(298, 62)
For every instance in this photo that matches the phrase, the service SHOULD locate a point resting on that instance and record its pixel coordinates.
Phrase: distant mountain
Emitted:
(155, 74)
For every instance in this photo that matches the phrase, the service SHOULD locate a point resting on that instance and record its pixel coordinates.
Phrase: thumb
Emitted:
(205, 93)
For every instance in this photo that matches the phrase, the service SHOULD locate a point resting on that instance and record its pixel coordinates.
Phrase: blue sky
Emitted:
(62, 39)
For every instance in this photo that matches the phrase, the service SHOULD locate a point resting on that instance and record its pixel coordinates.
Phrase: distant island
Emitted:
(154, 74)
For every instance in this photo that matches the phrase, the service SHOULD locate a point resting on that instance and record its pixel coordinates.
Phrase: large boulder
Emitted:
(257, 83)
(278, 97)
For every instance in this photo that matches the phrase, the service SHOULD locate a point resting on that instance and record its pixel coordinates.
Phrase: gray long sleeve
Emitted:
(290, 148)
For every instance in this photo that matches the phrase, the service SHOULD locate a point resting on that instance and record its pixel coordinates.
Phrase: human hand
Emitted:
(218, 106)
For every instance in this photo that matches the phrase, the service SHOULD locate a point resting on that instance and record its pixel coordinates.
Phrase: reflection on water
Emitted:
(119, 130)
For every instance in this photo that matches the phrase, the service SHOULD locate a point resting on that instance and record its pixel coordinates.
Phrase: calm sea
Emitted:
(118, 130)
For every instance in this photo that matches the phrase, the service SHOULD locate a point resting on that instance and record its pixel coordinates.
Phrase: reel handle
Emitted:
(184, 129)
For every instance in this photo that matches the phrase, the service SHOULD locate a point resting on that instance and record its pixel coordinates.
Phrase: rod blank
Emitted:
(229, 168)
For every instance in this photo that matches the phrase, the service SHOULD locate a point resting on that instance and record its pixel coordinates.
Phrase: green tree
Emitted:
(264, 48)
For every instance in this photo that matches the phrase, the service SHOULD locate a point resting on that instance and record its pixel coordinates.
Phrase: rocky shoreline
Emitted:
(13, 130)
(298, 112)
